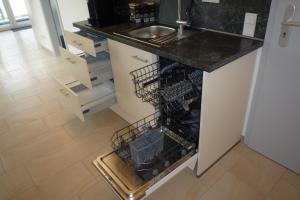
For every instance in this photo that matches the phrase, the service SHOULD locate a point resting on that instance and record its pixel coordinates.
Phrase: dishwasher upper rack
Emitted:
(167, 85)
(146, 82)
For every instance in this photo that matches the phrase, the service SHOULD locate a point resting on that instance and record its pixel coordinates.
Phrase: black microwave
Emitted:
(108, 12)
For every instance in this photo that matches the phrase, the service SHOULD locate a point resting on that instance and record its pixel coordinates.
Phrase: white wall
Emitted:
(42, 23)
(72, 11)
(39, 24)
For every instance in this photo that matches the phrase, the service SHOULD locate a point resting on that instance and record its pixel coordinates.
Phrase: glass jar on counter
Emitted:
(142, 12)
(136, 12)
(151, 10)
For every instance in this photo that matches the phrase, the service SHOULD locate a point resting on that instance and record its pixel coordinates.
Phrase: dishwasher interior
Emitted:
(150, 149)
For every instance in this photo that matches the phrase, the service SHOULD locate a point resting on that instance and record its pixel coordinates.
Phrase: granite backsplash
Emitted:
(227, 16)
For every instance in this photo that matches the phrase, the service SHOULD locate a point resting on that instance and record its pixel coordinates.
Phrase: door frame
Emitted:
(58, 25)
(52, 24)
(13, 24)
(8, 11)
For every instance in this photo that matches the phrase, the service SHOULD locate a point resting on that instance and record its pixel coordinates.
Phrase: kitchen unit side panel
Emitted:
(224, 103)
(124, 60)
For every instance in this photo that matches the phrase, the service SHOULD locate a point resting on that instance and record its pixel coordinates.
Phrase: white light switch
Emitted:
(250, 24)
(211, 1)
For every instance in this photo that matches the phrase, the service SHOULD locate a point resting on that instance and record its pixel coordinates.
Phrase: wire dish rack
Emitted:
(181, 86)
(172, 81)
(146, 83)
(148, 161)
(154, 143)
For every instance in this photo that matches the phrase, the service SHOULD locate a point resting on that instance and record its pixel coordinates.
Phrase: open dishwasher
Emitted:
(151, 151)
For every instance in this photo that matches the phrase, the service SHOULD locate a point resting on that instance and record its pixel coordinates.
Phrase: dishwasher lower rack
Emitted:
(172, 149)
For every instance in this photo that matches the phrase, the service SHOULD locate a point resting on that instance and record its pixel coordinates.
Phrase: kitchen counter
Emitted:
(205, 50)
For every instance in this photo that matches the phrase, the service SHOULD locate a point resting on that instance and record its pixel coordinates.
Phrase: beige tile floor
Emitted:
(46, 152)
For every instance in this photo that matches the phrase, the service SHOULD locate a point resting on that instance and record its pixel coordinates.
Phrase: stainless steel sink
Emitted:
(154, 35)
(152, 32)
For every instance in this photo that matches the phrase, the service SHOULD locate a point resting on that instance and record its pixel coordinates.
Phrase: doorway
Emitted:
(13, 14)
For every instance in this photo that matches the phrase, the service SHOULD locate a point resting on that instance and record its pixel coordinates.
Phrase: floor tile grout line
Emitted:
(23, 192)
(209, 188)
(276, 182)
(46, 134)
(2, 165)
(291, 185)
(92, 175)
(2, 162)
(61, 125)
(77, 197)
(27, 110)
(54, 174)
(5, 124)
(43, 133)
(67, 132)
(281, 179)
(227, 172)
(264, 158)
(31, 177)
(16, 113)
(80, 161)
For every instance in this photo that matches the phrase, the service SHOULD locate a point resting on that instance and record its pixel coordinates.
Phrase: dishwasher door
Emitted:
(127, 185)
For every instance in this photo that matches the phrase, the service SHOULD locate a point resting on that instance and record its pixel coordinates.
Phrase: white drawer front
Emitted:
(100, 105)
(101, 76)
(85, 44)
(69, 99)
(125, 59)
(85, 102)
(77, 66)
(132, 57)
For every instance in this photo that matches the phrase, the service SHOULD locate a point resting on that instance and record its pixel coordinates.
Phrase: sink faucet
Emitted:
(180, 22)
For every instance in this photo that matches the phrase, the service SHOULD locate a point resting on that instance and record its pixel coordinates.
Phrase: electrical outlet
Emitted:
(250, 24)
(211, 1)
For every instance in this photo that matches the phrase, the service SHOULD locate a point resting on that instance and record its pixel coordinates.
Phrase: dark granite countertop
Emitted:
(204, 50)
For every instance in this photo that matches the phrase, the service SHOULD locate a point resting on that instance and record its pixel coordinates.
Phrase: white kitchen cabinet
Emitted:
(86, 69)
(86, 42)
(89, 88)
(225, 95)
(125, 59)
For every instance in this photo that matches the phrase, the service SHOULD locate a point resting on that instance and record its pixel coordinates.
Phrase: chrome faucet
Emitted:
(180, 22)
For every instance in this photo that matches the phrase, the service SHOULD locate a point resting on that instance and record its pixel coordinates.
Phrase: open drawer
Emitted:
(132, 181)
(82, 101)
(86, 42)
(88, 70)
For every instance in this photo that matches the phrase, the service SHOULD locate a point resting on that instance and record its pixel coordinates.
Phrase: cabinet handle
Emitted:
(140, 59)
(77, 43)
(70, 60)
(64, 92)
